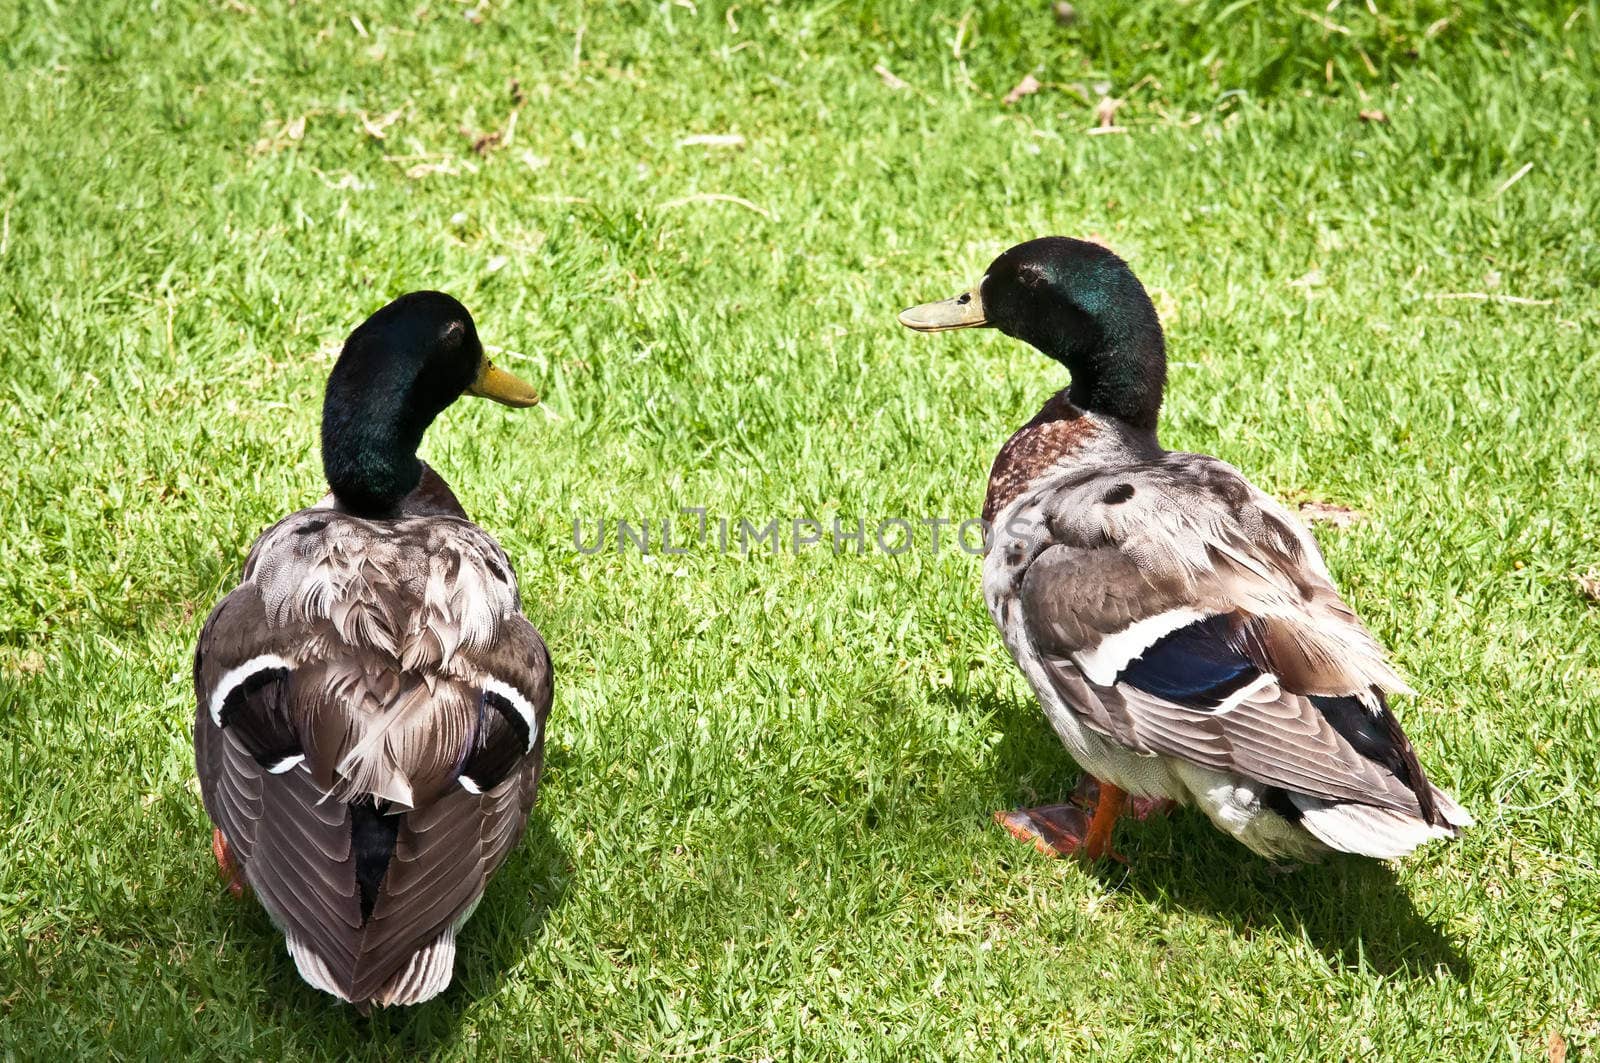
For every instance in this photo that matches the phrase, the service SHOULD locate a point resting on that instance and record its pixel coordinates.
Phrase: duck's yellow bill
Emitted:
(964, 311)
(503, 387)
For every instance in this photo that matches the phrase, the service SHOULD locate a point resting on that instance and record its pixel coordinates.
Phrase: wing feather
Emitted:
(1257, 630)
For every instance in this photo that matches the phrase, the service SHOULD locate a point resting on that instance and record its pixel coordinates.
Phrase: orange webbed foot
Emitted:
(1058, 831)
(227, 866)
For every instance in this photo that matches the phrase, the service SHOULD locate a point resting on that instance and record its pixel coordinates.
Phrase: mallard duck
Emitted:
(1178, 626)
(371, 702)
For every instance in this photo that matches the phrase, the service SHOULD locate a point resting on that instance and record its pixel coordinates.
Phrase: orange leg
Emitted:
(1097, 844)
(1087, 795)
(227, 866)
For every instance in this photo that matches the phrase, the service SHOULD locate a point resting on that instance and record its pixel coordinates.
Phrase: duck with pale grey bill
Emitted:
(371, 702)
(1178, 626)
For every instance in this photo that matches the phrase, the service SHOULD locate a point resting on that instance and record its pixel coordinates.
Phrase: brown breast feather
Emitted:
(432, 497)
(1055, 431)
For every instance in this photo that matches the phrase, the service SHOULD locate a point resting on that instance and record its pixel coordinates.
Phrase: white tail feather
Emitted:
(1378, 832)
(1453, 813)
(312, 968)
(425, 976)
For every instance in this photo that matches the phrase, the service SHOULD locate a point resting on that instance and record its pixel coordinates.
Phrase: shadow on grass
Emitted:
(1351, 909)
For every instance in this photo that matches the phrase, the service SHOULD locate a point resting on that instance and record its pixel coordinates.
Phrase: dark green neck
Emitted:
(1124, 377)
(1113, 346)
(372, 425)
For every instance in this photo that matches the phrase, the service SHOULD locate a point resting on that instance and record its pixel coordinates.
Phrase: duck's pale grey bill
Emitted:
(964, 311)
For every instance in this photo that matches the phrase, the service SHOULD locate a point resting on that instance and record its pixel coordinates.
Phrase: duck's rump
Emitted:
(311, 860)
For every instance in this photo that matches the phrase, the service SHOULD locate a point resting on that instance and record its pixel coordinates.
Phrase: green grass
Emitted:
(764, 832)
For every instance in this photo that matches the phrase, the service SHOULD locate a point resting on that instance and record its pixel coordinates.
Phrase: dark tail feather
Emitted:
(372, 837)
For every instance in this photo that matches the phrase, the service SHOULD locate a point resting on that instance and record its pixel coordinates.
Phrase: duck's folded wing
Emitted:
(295, 845)
(439, 868)
(435, 878)
(1181, 612)
(243, 685)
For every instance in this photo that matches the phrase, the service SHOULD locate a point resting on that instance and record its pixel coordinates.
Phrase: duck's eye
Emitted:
(964, 299)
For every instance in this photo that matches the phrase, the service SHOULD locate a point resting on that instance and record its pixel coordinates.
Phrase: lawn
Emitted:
(765, 833)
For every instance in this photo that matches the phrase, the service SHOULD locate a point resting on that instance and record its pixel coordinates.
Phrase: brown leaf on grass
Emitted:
(483, 143)
(378, 128)
(288, 131)
(889, 78)
(1555, 1047)
(1330, 513)
(1589, 583)
(1105, 112)
(1375, 116)
(30, 662)
(1026, 87)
